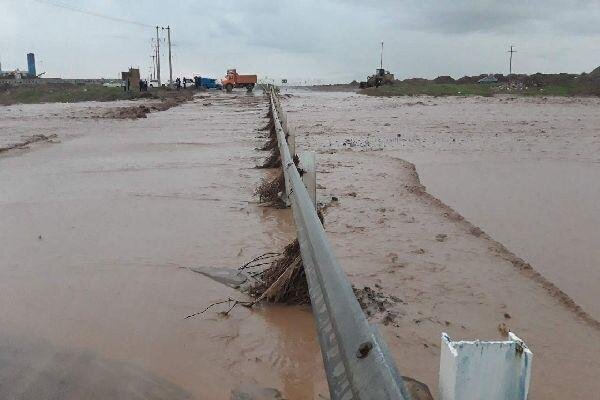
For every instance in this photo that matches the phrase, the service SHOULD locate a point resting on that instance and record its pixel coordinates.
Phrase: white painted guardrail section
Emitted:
(479, 370)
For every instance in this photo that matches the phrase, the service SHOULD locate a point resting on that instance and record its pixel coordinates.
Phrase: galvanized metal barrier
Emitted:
(357, 362)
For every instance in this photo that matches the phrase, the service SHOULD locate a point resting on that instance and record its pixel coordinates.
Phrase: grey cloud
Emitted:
(534, 16)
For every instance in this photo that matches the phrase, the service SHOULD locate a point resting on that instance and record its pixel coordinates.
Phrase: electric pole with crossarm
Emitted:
(511, 51)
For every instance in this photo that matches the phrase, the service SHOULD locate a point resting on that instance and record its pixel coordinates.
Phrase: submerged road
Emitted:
(95, 232)
(98, 231)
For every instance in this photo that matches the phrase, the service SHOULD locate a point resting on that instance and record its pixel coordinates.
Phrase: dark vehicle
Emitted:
(381, 77)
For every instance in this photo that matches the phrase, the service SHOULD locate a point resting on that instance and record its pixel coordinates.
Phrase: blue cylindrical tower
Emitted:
(31, 65)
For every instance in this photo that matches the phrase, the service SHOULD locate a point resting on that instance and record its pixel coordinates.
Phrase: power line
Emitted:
(92, 13)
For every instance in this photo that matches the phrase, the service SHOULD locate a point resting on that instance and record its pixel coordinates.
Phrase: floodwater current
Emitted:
(97, 234)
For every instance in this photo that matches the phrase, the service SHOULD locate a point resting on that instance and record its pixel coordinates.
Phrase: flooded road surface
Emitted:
(450, 276)
(97, 233)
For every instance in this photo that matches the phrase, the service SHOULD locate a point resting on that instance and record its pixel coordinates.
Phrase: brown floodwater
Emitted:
(525, 170)
(97, 234)
(393, 236)
(98, 231)
(546, 211)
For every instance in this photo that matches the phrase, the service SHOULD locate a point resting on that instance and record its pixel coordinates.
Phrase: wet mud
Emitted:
(447, 273)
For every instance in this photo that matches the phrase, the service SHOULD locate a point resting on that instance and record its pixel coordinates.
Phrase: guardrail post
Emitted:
(309, 177)
(473, 370)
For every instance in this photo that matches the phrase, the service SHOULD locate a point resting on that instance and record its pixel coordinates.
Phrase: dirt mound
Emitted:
(444, 79)
(375, 303)
(167, 100)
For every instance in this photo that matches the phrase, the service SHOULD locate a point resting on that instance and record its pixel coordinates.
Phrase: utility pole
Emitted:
(381, 60)
(153, 70)
(511, 51)
(158, 57)
(170, 59)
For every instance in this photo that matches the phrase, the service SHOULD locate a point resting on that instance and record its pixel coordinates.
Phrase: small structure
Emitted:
(133, 75)
(31, 65)
(475, 370)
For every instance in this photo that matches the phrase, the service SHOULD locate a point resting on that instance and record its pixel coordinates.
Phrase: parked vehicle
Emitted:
(381, 77)
(207, 83)
(235, 80)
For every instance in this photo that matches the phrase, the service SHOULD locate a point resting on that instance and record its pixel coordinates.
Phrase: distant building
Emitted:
(18, 74)
(31, 65)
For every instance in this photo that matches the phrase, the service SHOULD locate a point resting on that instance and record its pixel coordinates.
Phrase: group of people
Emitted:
(143, 84)
(185, 81)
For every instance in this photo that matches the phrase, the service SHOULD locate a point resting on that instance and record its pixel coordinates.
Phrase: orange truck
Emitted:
(235, 80)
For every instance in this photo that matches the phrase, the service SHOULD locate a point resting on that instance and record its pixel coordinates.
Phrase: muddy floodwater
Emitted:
(462, 212)
(98, 230)
(546, 211)
(481, 214)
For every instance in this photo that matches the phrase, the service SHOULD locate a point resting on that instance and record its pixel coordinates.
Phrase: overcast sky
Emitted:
(330, 40)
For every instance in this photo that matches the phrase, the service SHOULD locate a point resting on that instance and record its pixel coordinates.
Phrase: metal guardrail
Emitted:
(357, 362)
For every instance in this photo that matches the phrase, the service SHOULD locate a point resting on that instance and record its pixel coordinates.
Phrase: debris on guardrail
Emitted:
(284, 281)
(270, 189)
(274, 159)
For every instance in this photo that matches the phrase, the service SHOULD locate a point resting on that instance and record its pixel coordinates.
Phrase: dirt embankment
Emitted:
(27, 141)
(524, 267)
(166, 100)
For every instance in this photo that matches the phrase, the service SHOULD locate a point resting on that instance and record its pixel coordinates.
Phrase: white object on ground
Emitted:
(476, 370)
